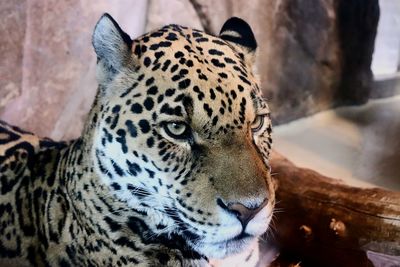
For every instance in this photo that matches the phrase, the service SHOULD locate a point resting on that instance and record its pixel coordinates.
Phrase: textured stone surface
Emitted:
(302, 68)
(163, 12)
(49, 67)
(358, 22)
(12, 30)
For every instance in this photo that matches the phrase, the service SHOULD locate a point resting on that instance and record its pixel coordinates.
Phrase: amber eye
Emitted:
(258, 124)
(177, 130)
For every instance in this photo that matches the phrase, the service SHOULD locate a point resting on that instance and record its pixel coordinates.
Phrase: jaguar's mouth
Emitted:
(222, 249)
(241, 236)
(224, 242)
(238, 241)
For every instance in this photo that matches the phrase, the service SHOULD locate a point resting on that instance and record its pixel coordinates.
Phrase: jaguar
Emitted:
(171, 168)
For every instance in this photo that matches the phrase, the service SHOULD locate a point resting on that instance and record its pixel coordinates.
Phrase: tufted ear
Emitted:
(237, 32)
(112, 46)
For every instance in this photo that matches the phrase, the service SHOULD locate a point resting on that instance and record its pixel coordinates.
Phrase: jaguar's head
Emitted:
(183, 133)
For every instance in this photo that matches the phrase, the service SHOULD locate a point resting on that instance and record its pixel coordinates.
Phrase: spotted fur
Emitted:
(128, 191)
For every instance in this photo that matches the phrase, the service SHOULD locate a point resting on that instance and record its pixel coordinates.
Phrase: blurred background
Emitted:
(329, 68)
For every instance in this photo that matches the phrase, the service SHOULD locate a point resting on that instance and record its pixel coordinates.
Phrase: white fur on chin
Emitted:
(249, 257)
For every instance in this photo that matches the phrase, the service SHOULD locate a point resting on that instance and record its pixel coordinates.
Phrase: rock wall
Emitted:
(47, 74)
(312, 54)
(13, 21)
(357, 23)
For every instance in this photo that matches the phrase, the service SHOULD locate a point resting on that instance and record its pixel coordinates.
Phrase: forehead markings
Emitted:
(218, 60)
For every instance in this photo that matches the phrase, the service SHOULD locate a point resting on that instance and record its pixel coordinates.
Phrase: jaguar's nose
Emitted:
(241, 211)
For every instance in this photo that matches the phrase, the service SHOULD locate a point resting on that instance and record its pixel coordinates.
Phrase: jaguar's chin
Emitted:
(220, 250)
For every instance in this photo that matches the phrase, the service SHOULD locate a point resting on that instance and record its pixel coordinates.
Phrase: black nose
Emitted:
(243, 213)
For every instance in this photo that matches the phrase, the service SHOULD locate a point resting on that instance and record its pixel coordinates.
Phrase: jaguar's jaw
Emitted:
(221, 250)
(232, 239)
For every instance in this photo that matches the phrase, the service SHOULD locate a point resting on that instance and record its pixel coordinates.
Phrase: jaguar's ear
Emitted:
(237, 32)
(112, 46)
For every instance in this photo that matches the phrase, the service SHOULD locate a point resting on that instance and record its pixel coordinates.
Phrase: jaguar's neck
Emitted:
(92, 202)
(90, 198)
(95, 211)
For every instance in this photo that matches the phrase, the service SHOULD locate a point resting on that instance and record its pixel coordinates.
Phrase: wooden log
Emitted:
(321, 221)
